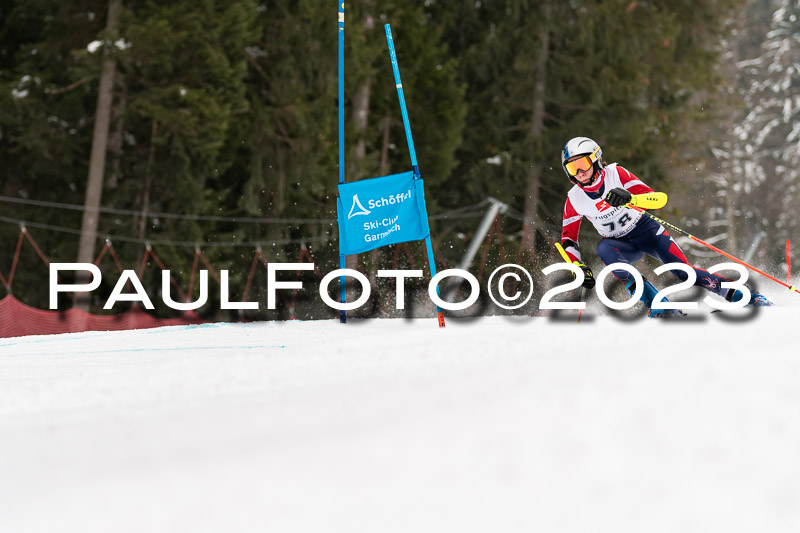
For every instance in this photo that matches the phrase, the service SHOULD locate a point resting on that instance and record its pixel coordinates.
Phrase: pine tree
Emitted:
(46, 108)
(759, 160)
(620, 72)
(183, 76)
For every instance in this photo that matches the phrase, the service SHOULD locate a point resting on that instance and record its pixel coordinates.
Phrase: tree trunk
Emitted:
(361, 99)
(116, 139)
(148, 181)
(529, 215)
(375, 255)
(732, 166)
(360, 117)
(730, 216)
(384, 164)
(280, 170)
(97, 159)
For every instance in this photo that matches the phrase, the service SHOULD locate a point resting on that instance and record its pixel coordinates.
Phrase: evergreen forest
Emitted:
(212, 125)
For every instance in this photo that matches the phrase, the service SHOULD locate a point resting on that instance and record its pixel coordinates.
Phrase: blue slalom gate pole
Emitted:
(413, 153)
(342, 282)
(402, 98)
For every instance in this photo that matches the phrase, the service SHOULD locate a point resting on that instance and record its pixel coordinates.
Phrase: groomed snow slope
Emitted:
(496, 424)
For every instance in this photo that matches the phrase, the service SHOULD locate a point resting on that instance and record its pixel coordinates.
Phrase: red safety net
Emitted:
(18, 319)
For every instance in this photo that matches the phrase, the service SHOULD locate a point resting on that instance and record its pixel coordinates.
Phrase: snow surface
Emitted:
(494, 424)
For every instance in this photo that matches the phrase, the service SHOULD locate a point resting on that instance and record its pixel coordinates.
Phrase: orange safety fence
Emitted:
(18, 319)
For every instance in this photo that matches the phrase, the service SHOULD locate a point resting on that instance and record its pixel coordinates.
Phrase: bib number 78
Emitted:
(621, 223)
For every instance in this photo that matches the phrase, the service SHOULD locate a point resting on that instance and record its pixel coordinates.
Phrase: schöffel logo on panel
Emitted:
(357, 204)
(383, 201)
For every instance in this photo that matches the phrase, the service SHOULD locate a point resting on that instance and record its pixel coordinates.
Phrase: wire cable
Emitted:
(131, 212)
(164, 242)
(455, 213)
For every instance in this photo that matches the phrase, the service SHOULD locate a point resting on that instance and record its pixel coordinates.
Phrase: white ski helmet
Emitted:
(582, 146)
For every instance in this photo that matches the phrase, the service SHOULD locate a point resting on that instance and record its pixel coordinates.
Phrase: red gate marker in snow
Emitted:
(788, 262)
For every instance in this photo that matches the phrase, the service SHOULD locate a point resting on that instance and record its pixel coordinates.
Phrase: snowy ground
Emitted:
(496, 424)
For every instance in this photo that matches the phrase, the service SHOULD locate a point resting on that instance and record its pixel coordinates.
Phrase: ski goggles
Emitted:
(583, 163)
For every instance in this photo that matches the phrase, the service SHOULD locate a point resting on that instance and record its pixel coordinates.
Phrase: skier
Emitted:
(599, 192)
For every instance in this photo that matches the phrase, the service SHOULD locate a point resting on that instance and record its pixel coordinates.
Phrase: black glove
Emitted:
(617, 197)
(588, 277)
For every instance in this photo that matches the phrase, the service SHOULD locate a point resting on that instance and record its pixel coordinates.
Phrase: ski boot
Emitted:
(756, 298)
(648, 295)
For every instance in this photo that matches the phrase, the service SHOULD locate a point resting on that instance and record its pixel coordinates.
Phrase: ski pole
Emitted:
(729, 256)
(566, 258)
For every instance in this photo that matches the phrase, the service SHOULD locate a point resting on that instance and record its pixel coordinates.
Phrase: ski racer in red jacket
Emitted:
(599, 193)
